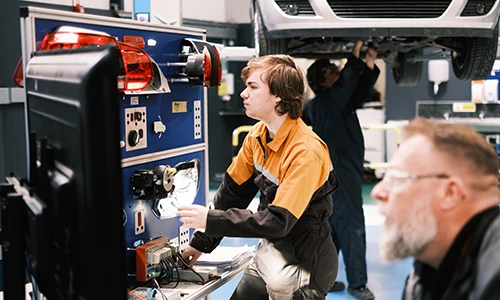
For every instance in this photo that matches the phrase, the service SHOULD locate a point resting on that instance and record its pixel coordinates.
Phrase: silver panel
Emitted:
(140, 159)
(4, 96)
(17, 95)
(11, 95)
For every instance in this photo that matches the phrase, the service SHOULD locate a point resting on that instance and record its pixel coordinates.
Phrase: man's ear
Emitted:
(453, 194)
(277, 99)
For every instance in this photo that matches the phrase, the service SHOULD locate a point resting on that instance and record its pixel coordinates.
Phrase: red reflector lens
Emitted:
(207, 67)
(137, 41)
(138, 67)
(219, 67)
(72, 40)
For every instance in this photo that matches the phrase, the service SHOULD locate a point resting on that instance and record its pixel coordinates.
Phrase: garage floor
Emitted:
(385, 280)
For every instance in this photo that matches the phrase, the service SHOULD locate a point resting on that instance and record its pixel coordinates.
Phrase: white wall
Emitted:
(238, 11)
(207, 10)
(167, 10)
(230, 11)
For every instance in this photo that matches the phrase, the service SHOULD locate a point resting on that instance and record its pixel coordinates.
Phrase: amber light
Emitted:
(137, 66)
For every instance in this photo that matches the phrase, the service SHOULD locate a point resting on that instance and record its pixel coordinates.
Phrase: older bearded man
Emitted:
(440, 198)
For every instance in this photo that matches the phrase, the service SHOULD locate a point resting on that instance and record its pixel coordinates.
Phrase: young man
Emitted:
(440, 198)
(333, 116)
(290, 166)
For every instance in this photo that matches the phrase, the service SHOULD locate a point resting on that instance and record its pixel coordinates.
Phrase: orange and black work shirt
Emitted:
(295, 177)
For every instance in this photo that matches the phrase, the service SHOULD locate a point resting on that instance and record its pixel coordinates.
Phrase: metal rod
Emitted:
(179, 80)
(176, 64)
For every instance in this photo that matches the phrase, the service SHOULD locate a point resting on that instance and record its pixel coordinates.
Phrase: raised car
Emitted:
(405, 32)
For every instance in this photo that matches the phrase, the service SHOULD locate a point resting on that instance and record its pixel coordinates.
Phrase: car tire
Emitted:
(477, 57)
(409, 73)
(263, 45)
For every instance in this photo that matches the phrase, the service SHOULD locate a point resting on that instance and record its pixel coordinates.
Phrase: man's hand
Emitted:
(371, 55)
(357, 48)
(193, 216)
(191, 255)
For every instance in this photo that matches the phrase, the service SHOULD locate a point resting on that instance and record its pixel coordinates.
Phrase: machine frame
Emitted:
(175, 145)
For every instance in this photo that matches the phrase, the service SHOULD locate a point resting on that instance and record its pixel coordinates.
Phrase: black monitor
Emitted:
(72, 203)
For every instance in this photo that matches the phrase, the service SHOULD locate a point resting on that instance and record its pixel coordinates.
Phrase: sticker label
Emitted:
(179, 106)
(464, 107)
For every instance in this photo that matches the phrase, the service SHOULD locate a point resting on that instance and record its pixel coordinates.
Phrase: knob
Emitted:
(133, 138)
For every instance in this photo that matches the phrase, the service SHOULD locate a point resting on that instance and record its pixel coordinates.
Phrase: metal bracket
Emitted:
(10, 95)
(439, 54)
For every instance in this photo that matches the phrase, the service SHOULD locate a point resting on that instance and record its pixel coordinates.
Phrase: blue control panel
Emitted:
(159, 131)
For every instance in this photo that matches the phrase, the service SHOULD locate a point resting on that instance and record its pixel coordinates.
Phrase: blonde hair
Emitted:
(462, 143)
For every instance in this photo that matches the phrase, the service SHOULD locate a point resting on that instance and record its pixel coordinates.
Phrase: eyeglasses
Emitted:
(394, 178)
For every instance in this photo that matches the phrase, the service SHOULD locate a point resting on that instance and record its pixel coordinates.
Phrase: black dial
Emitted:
(133, 138)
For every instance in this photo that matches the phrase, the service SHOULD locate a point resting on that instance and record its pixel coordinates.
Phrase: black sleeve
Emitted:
(330, 103)
(364, 86)
(344, 89)
(232, 195)
(229, 195)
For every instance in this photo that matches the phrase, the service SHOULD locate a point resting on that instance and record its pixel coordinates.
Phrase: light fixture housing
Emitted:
(136, 65)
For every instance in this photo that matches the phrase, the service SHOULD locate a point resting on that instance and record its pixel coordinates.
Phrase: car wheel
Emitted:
(408, 73)
(263, 45)
(476, 58)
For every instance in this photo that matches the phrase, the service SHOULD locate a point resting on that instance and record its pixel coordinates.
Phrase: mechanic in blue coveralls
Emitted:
(333, 116)
(291, 167)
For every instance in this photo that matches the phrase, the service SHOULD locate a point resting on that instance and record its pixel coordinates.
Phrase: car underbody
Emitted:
(472, 57)
(472, 51)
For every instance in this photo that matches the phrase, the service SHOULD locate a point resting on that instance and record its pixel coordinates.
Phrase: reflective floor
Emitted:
(384, 280)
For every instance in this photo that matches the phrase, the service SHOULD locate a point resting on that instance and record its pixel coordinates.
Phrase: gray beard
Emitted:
(400, 241)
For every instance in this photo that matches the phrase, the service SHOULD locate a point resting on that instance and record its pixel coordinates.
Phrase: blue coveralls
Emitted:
(334, 119)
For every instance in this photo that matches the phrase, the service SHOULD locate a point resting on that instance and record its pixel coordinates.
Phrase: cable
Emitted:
(158, 288)
(167, 266)
(213, 277)
(179, 256)
(176, 268)
(165, 275)
(34, 283)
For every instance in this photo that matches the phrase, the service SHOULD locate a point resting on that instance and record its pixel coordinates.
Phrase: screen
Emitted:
(75, 239)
